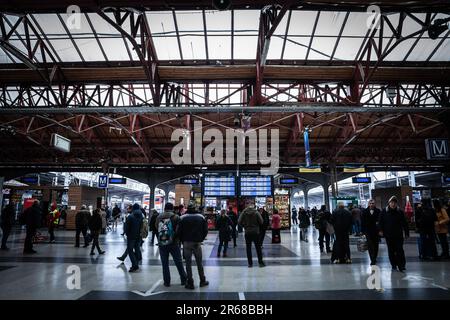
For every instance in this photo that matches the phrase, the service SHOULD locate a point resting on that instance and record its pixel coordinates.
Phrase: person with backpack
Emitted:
(154, 226)
(264, 226)
(425, 217)
(7, 219)
(251, 220)
(321, 221)
(392, 225)
(95, 225)
(304, 225)
(192, 230)
(132, 229)
(441, 225)
(224, 225)
(32, 218)
(234, 219)
(81, 224)
(166, 223)
(341, 219)
(369, 227)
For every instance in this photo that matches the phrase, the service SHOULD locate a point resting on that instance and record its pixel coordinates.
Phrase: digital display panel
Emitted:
(189, 181)
(256, 186)
(288, 181)
(361, 180)
(219, 186)
(118, 180)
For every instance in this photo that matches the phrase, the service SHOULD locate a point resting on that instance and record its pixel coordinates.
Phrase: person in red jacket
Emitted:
(276, 227)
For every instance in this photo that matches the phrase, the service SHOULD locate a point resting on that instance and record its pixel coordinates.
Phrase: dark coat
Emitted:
(251, 220)
(153, 225)
(224, 225)
(7, 217)
(341, 219)
(233, 218)
(322, 217)
(304, 219)
(192, 227)
(266, 220)
(393, 223)
(95, 223)
(33, 216)
(82, 219)
(369, 222)
(133, 225)
(425, 219)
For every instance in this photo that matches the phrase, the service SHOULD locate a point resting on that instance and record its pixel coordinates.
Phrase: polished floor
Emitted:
(295, 270)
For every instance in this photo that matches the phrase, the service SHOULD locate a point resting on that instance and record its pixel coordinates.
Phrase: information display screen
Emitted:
(219, 186)
(361, 180)
(256, 186)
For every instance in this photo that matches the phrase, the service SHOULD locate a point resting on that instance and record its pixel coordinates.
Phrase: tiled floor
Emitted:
(295, 270)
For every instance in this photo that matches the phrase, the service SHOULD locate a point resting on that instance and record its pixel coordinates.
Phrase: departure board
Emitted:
(256, 186)
(219, 186)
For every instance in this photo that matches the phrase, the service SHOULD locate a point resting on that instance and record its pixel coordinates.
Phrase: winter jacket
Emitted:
(133, 224)
(251, 220)
(33, 216)
(266, 220)
(153, 224)
(224, 225)
(82, 219)
(393, 223)
(369, 222)
(7, 217)
(341, 219)
(103, 215)
(192, 227)
(233, 218)
(276, 221)
(95, 223)
(304, 219)
(294, 213)
(167, 215)
(442, 221)
(321, 220)
(425, 219)
(356, 214)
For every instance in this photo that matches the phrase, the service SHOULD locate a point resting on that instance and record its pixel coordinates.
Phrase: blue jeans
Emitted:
(134, 251)
(174, 250)
(357, 226)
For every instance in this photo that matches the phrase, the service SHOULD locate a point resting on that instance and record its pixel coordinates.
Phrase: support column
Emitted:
(326, 196)
(372, 185)
(412, 179)
(305, 196)
(2, 179)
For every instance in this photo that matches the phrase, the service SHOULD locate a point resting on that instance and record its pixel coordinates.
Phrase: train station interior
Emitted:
(314, 131)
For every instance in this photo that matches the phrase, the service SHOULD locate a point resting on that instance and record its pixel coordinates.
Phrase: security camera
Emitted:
(221, 4)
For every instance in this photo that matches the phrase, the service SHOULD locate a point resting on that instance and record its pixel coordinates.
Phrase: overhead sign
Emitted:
(437, 149)
(189, 181)
(117, 180)
(312, 169)
(288, 180)
(361, 180)
(60, 142)
(103, 181)
(350, 169)
(32, 180)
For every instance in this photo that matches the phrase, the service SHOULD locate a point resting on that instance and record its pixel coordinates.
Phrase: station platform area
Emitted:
(294, 270)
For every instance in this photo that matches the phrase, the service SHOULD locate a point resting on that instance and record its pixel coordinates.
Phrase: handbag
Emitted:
(362, 244)
(330, 228)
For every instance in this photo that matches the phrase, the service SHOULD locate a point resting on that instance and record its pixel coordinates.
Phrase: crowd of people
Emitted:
(180, 231)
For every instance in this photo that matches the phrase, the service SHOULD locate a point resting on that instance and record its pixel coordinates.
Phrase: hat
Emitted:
(393, 198)
(136, 206)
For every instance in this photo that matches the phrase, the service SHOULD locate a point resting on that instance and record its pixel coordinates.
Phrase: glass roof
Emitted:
(225, 35)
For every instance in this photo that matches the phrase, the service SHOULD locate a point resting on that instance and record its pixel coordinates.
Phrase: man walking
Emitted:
(192, 230)
(341, 219)
(166, 223)
(132, 229)
(81, 225)
(369, 224)
(32, 219)
(392, 225)
(251, 220)
(7, 218)
(234, 219)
